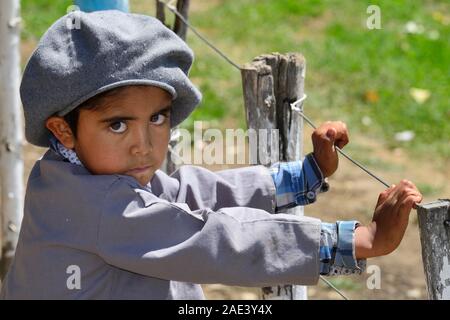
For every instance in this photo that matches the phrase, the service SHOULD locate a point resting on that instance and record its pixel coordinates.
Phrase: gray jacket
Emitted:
(87, 236)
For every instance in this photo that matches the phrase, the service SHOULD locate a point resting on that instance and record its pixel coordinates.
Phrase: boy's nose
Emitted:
(142, 142)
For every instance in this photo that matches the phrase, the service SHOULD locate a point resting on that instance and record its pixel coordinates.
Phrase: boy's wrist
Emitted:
(325, 168)
(364, 236)
(316, 161)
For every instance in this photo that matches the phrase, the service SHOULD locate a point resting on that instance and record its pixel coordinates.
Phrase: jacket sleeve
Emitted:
(234, 246)
(201, 188)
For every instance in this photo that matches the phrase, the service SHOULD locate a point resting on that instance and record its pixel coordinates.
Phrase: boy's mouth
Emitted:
(139, 169)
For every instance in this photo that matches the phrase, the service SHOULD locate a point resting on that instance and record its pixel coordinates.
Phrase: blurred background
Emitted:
(391, 86)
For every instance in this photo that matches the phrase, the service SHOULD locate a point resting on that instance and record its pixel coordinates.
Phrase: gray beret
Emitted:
(84, 54)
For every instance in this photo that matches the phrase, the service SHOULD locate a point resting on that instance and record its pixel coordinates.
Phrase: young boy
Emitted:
(102, 222)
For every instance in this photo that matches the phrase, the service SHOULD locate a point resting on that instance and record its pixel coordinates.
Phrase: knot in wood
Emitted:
(269, 101)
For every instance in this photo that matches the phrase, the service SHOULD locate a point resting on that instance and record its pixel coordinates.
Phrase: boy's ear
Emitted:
(61, 130)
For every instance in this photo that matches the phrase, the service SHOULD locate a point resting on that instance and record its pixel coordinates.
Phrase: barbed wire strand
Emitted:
(294, 107)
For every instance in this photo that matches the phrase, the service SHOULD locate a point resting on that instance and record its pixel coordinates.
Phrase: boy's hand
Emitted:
(389, 222)
(324, 138)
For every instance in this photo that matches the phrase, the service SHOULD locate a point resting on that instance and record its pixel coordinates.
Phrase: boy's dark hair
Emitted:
(94, 103)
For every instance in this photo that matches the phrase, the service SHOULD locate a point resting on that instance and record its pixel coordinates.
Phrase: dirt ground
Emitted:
(353, 195)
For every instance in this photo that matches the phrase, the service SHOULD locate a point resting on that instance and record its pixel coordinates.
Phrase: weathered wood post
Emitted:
(270, 83)
(434, 225)
(160, 12)
(11, 134)
(180, 27)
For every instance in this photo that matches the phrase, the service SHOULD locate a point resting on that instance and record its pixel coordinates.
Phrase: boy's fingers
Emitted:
(407, 200)
(334, 133)
(343, 140)
(344, 136)
(339, 139)
(342, 143)
(417, 201)
(394, 193)
(402, 187)
(382, 197)
(409, 189)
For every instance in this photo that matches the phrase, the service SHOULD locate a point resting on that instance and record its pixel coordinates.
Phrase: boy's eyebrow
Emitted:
(117, 118)
(122, 118)
(165, 109)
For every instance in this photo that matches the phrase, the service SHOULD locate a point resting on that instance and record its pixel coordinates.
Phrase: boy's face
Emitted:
(128, 135)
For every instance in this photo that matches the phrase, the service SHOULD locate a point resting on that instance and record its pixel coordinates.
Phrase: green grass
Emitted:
(345, 60)
(40, 14)
(429, 190)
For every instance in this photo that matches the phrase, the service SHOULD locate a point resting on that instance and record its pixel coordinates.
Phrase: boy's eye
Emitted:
(118, 127)
(158, 118)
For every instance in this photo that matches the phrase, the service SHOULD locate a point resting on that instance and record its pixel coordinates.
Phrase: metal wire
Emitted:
(333, 287)
(174, 10)
(300, 111)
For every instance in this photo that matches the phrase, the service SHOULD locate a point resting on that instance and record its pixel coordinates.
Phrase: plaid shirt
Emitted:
(298, 183)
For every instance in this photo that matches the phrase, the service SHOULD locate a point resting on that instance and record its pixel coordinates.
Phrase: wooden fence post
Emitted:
(180, 27)
(434, 225)
(11, 132)
(160, 12)
(270, 83)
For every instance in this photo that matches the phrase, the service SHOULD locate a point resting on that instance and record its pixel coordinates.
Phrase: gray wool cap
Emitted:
(84, 54)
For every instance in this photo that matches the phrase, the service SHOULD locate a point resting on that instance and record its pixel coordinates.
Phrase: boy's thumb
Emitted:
(385, 194)
(331, 134)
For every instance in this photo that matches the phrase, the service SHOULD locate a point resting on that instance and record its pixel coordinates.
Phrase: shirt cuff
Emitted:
(297, 183)
(341, 238)
(313, 180)
(324, 185)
